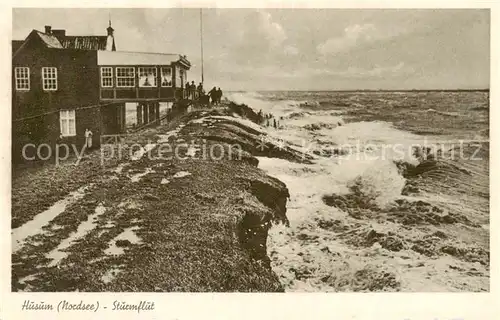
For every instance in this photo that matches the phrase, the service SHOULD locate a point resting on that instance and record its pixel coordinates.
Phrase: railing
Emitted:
(190, 94)
(111, 138)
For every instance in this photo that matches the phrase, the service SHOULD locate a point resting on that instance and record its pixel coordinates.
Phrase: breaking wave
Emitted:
(360, 169)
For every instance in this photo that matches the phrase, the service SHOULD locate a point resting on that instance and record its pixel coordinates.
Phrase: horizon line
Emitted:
(367, 90)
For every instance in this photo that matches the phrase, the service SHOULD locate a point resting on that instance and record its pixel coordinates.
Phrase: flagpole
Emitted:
(201, 40)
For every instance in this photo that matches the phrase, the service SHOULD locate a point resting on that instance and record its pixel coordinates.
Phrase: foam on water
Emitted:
(365, 158)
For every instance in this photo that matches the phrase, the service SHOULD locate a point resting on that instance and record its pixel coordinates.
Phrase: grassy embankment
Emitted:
(194, 223)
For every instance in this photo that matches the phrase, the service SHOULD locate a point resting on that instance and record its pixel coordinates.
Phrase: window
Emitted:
(68, 126)
(181, 75)
(22, 75)
(49, 78)
(178, 80)
(166, 77)
(106, 77)
(147, 77)
(125, 77)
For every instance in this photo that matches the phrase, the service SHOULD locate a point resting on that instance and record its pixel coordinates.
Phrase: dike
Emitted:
(190, 213)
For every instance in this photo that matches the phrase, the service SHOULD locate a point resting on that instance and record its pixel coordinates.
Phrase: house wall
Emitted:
(77, 87)
(113, 118)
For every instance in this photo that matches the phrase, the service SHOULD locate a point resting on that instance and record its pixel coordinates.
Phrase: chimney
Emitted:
(48, 29)
(59, 32)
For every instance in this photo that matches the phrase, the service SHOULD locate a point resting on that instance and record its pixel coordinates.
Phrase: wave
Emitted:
(363, 173)
(298, 114)
(308, 104)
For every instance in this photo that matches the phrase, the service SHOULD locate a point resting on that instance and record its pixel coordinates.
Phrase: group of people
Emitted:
(192, 89)
(195, 92)
(215, 95)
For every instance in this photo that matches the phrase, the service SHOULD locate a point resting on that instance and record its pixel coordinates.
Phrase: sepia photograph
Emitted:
(250, 150)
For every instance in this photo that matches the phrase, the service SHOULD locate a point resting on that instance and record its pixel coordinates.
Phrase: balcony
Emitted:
(141, 77)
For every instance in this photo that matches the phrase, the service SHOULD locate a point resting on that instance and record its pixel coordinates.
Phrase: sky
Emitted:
(298, 49)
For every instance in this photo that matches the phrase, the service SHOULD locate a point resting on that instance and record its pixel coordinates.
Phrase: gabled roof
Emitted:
(67, 42)
(50, 40)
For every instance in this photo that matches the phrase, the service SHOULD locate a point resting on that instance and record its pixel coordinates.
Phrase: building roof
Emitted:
(50, 41)
(105, 47)
(84, 42)
(62, 41)
(128, 58)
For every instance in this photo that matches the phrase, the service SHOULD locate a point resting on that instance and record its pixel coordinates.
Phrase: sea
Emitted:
(395, 196)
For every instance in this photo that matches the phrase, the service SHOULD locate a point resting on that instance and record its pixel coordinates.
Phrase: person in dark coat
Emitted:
(188, 90)
(200, 89)
(219, 95)
(213, 95)
(192, 89)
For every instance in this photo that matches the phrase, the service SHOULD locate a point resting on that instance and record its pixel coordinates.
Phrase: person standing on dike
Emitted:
(213, 95)
(219, 95)
(88, 138)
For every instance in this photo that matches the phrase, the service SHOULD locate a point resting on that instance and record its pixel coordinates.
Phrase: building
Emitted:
(63, 85)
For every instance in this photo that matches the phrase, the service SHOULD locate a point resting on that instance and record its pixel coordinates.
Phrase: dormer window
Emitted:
(22, 75)
(49, 78)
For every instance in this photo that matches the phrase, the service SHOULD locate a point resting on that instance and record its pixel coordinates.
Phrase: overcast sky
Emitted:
(302, 49)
